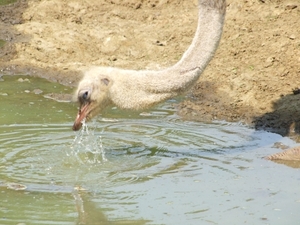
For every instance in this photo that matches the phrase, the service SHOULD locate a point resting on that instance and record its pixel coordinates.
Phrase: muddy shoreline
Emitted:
(253, 78)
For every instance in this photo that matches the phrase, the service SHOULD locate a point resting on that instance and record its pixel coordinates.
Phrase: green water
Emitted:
(6, 2)
(2, 42)
(24, 106)
(133, 169)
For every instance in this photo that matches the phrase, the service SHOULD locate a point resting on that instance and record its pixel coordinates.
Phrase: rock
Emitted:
(280, 145)
(37, 91)
(16, 186)
(290, 7)
(292, 37)
(23, 80)
(59, 97)
(291, 154)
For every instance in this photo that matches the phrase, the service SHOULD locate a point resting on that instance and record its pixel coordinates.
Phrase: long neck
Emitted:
(208, 34)
(140, 89)
(186, 72)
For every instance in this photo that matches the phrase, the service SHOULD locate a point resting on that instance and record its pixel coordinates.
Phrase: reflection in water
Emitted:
(133, 169)
(290, 163)
(89, 214)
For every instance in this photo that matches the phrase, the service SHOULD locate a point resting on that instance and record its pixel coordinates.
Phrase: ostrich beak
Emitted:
(82, 114)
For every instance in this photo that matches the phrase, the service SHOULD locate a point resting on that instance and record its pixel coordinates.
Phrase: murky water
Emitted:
(6, 2)
(132, 169)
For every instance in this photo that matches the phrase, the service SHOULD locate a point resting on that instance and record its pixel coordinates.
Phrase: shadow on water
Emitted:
(290, 163)
(284, 120)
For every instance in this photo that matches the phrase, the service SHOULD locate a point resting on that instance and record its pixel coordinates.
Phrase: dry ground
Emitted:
(251, 78)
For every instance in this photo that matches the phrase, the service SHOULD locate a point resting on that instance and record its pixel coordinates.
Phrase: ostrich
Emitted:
(135, 90)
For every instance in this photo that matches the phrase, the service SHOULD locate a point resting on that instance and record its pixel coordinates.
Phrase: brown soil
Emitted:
(251, 78)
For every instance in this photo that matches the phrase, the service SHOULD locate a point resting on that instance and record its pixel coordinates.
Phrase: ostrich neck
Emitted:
(206, 39)
(187, 70)
(140, 89)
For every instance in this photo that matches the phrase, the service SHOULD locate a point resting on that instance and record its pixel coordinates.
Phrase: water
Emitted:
(132, 169)
(6, 2)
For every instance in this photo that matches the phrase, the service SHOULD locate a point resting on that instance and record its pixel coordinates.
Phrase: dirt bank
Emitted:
(251, 78)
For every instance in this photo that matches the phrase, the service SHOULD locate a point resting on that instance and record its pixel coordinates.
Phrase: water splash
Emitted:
(87, 147)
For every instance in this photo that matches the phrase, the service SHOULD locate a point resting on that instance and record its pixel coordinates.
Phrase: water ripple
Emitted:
(127, 148)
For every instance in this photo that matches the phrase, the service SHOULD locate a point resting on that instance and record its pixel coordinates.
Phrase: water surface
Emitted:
(132, 168)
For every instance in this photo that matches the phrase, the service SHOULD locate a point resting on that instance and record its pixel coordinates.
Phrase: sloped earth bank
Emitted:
(251, 78)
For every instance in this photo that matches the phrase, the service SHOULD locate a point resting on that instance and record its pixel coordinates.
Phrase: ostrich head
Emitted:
(93, 96)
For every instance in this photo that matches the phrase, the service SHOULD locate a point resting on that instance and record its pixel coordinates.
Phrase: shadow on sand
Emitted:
(285, 118)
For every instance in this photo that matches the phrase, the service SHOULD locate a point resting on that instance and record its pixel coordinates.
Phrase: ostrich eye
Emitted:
(85, 95)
